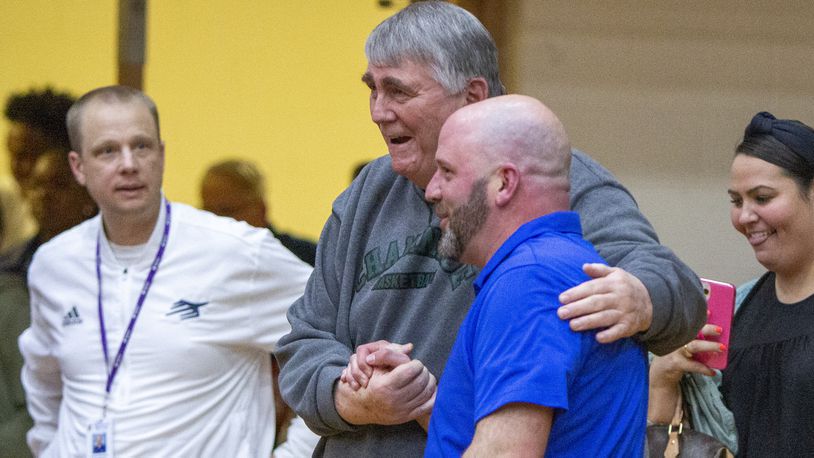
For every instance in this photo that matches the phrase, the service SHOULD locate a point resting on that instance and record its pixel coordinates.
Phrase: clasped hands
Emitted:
(383, 385)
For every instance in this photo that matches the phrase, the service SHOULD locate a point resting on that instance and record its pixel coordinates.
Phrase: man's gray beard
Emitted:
(449, 246)
(464, 222)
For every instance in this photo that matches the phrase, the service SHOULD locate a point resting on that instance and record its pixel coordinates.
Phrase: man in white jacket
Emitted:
(152, 323)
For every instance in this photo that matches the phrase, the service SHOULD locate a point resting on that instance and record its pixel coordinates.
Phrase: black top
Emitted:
(769, 380)
(303, 249)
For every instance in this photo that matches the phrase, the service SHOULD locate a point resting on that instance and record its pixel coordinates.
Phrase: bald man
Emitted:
(518, 378)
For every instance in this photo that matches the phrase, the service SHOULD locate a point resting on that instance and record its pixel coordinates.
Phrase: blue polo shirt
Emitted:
(512, 347)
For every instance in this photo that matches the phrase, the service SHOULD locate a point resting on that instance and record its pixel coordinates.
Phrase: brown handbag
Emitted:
(676, 440)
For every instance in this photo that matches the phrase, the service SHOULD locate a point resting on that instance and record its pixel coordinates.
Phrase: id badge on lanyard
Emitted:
(99, 437)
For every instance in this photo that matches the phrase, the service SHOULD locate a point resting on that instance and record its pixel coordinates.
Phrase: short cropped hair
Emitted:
(445, 37)
(243, 174)
(107, 94)
(44, 110)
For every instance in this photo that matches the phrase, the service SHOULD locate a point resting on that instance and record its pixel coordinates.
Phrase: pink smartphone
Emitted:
(721, 305)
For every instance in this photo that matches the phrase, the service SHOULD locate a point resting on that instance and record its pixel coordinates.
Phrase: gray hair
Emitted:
(445, 37)
(106, 94)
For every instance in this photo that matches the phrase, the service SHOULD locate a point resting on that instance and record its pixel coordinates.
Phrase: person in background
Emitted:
(2, 226)
(236, 188)
(768, 384)
(152, 322)
(379, 281)
(58, 203)
(36, 125)
(20, 225)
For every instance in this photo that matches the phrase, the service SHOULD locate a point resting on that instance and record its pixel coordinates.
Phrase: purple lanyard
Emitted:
(147, 283)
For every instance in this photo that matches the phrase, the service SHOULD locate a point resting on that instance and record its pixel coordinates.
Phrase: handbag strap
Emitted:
(675, 429)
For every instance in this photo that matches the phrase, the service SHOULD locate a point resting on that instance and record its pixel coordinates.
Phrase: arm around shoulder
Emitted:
(612, 222)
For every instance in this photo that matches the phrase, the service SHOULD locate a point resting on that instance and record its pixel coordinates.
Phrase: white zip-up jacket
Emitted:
(195, 379)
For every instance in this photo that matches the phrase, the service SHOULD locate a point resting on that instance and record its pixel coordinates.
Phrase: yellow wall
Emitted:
(276, 81)
(52, 42)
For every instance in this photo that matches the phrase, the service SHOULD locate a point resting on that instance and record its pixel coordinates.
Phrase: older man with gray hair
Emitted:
(379, 280)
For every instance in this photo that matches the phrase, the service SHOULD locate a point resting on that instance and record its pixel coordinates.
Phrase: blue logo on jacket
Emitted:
(186, 309)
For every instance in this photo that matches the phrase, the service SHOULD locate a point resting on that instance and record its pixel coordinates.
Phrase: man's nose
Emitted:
(433, 191)
(128, 159)
(380, 110)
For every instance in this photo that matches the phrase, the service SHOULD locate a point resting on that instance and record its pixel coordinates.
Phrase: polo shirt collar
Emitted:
(559, 222)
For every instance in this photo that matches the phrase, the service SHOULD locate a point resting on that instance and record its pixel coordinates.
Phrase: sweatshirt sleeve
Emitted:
(312, 357)
(611, 220)
(41, 375)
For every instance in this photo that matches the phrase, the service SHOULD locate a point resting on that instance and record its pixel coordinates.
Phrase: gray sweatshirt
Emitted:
(378, 276)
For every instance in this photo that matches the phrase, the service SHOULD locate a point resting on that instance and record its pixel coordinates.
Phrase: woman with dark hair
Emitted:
(768, 384)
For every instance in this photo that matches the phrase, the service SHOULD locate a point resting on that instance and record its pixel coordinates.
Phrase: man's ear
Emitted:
(508, 178)
(77, 167)
(477, 89)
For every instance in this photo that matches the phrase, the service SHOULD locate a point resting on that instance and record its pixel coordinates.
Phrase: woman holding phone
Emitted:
(768, 384)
